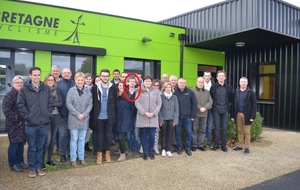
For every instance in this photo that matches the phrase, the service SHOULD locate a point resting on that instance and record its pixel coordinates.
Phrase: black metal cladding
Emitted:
(284, 112)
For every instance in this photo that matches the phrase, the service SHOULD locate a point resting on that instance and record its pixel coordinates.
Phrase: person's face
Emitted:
(55, 72)
(35, 76)
(147, 83)
(181, 84)
(116, 75)
(88, 80)
(120, 87)
(165, 78)
(243, 83)
(156, 85)
(124, 75)
(50, 81)
(66, 74)
(131, 83)
(207, 77)
(140, 76)
(221, 77)
(79, 82)
(173, 81)
(168, 89)
(200, 83)
(104, 77)
(18, 84)
(97, 79)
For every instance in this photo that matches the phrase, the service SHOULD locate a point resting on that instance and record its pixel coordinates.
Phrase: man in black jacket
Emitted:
(222, 94)
(243, 112)
(34, 103)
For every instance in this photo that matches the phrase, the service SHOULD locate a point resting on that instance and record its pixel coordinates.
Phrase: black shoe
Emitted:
(145, 157)
(214, 148)
(63, 159)
(202, 148)
(189, 153)
(224, 148)
(194, 149)
(151, 156)
(16, 168)
(51, 163)
(23, 166)
(179, 152)
(87, 148)
(237, 148)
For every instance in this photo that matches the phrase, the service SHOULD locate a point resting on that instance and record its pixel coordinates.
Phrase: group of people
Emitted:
(127, 108)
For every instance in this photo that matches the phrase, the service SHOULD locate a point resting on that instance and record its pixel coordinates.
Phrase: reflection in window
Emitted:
(266, 81)
(23, 63)
(146, 67)
(61, 60)
(83, 64)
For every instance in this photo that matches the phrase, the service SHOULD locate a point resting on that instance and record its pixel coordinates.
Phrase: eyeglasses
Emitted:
(18, 82)
(104, 75)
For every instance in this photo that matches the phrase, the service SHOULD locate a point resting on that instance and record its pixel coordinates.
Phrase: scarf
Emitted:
(168, 95)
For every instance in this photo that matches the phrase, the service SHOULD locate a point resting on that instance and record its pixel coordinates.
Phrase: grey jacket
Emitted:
(203, 100)
(148, 102)
(169, 109)
(79, 105)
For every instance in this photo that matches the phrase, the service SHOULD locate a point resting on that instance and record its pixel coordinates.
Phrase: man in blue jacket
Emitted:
(187, 113)
(34, 103)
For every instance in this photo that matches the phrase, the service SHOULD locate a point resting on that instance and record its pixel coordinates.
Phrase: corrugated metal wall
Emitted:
(284, 113)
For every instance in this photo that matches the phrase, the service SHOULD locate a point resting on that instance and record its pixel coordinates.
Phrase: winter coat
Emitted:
(35, 107)
(203, 100)
(187, 103)
(169, 109)
(125, 113)
(111, 104)
(250, 106)
(63, 86)
(57, 101)
(15, 124)
(79, 105)
(148, 102)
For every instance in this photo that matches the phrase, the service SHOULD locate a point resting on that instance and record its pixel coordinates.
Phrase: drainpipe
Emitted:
(182, 38)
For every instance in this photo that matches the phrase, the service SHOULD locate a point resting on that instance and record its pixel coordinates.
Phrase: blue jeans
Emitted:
(64, 136)
(209, 123)
(133, 138)
(15, 153)
(147, 139)
(187, 122)
(36, 137)
(221, 122)
(77, 144)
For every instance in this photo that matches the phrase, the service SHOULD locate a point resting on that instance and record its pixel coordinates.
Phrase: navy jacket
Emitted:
(187, 103)
(64, 86)
(35, 107)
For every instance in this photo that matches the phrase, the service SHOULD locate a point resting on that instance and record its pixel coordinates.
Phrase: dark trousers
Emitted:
(15, 153)
(121, 140)
(166, 135)
(103, 134)
(221, 123)
(51, 135)
(147, 139)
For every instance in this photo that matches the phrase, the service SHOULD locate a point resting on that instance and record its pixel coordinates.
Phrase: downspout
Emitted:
(182, 38)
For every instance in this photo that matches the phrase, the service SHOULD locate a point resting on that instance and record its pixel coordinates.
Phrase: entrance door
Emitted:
(6, 74)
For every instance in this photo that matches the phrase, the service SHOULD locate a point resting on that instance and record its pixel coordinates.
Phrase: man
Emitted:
(64, 134)
(243, 113)
(55, 71)
(165, 78)
(103, 113)
(34, 103)
(207, 85)
(204, 103)
(173, 80)
(123, 76)
(222, 95)
(187, 113)
(116, 75)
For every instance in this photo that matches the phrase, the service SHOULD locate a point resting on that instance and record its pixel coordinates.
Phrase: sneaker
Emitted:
(169, 154)
(141, 150)
(237, 148)
(40, 172)
(155, 148)
(163, 152)
(32, 173)
(247, 151)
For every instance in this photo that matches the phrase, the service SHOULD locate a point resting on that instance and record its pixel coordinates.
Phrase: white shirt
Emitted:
(207, 85)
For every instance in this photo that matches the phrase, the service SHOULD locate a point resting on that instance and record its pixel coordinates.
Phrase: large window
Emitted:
(207, 68)
(266, 77)
(146, 67)
(23, 63)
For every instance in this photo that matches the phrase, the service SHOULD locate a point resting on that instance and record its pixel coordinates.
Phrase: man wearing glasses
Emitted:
(103, 113)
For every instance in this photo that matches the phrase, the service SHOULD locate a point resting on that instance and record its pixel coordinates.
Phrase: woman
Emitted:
(148, 106)
(15, 126)
(79, 103)
(125, 113)
(168, 117)
(57, 103)
(88, 83)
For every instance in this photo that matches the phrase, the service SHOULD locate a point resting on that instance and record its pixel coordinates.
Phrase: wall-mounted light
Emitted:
(240, 44)
(146, 39)
(171, 34)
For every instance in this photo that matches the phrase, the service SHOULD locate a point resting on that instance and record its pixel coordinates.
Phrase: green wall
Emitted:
(121, 37)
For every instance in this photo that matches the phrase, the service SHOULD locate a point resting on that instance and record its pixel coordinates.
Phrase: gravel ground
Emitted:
(276, 154)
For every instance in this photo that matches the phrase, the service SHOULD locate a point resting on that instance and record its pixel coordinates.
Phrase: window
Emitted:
(83, 63)
(61, 60)
(23, 63)
(146, 67)
(266, 83)
(206, 68)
